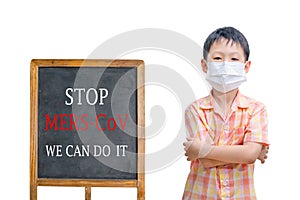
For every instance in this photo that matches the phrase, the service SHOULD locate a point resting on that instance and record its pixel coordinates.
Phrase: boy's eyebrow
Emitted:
(221, 52)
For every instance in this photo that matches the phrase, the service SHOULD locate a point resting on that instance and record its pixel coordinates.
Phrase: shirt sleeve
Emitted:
(194, 123)
(257, 128)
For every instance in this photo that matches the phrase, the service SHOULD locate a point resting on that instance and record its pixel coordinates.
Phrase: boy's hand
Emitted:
(196, 148)
(263, 154)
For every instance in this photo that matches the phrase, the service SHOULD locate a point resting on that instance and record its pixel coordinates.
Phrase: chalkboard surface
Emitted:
(80, 135)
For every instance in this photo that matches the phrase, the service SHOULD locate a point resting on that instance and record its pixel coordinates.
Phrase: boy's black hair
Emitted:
(229, 33)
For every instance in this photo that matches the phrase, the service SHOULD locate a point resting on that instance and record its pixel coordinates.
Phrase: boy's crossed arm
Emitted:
(211, 156)
(206, 162)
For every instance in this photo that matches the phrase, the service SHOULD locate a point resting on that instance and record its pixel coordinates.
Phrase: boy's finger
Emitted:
(189, 139)
(187, 144)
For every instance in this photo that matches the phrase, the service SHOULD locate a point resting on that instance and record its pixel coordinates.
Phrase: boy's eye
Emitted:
(234, 59)
(217, 58)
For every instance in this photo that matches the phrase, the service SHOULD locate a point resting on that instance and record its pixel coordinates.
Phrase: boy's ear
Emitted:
(247, 66)
(204, 65)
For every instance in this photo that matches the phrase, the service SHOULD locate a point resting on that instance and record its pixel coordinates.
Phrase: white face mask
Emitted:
(225, 76)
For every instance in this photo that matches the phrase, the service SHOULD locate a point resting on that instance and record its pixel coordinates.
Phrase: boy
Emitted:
(227, 131)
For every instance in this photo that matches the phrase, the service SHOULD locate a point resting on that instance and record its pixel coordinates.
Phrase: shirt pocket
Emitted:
(236, 136)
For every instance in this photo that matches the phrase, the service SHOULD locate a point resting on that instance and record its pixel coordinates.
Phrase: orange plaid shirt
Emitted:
(247, 122)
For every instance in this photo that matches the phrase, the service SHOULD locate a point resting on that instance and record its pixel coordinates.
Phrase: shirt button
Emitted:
(226, 127)
(225, 182)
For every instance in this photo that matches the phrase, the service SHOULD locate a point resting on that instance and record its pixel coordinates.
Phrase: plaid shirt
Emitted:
(247, 122)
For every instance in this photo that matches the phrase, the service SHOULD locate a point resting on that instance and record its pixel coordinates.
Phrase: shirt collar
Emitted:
(239, 101)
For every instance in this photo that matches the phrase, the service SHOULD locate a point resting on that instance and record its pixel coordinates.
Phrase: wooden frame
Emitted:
(34, 180)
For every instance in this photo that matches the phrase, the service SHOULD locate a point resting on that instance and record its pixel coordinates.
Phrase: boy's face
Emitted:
(224, 51)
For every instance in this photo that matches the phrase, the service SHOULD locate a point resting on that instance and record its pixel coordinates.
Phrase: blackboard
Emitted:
(86, 119)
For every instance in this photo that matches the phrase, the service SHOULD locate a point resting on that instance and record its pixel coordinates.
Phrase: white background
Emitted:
(73, 29)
